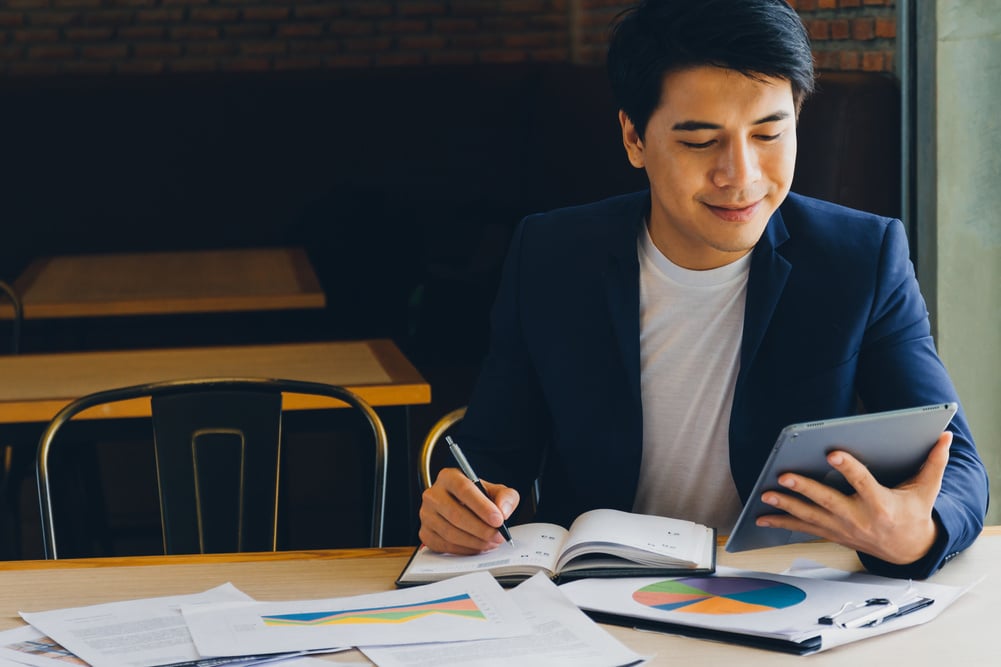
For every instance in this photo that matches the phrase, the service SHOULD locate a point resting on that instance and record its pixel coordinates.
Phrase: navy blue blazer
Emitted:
(834, 318)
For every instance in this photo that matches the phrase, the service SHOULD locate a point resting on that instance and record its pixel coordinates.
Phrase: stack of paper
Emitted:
(468, 620)
(471, 620)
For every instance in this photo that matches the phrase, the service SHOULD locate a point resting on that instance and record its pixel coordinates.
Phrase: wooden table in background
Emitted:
(35, 387)
(167, 283)
(962, 635)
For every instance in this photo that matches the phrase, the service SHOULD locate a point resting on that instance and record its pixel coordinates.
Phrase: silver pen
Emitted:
(467, 470)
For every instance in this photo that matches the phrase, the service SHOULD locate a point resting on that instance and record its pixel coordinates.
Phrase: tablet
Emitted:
(893, 445)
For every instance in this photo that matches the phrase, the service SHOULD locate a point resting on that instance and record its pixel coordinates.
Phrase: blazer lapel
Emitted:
(623, 289)
(767, 279)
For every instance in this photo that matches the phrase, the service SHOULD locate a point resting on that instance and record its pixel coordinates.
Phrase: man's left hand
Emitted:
(893, 524)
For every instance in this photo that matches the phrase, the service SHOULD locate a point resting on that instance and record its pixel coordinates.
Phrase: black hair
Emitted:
(656, 37)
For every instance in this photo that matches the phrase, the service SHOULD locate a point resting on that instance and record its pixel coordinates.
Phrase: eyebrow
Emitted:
(694, 125)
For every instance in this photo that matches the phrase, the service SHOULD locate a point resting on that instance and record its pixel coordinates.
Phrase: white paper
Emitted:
(132, 633)
(4, 662)
(637, 535)
(28, 646)
(788, 606)
(473, 606)
(562, 636)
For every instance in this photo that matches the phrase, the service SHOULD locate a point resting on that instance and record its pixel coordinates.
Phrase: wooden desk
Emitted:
(167, 283)
(36, 386)
(962, 635)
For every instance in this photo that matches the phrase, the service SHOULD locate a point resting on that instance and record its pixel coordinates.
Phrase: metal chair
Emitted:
(217, 444)
(437, 434)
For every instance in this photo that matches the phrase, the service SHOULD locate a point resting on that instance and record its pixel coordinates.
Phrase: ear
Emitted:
(632, 141)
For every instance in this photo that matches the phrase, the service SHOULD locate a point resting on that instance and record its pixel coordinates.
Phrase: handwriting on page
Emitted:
(544, 550)
(669, 543)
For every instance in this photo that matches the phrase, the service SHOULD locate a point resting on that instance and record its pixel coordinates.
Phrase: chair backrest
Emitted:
(435, 435)
(217, 445)
(15, 327)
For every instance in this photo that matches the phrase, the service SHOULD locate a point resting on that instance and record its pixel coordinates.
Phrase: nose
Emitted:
(738, 165)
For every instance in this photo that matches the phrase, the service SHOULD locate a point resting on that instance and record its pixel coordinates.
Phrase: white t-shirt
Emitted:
(691, 326)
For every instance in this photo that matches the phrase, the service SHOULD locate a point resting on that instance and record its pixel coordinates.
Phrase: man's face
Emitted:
(719, 152)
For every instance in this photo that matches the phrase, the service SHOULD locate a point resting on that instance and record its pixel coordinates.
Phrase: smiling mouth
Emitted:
(736, 213)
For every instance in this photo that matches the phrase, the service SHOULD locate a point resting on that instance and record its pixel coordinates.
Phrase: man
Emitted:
(647, 349)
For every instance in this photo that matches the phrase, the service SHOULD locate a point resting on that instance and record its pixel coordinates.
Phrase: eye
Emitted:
(769, 137)
(704, 144)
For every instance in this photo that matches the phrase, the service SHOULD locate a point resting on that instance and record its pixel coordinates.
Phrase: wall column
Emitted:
(959, 216)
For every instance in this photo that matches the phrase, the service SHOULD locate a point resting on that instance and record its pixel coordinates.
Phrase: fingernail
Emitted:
(506, 507)
(787, 482)
(836, 459)
(763, 523)
(771, 500)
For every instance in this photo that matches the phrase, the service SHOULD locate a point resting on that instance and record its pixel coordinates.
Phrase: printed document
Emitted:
(562, 636)
(743, 606)
(132, 633)
(468, 607)
(26, 646)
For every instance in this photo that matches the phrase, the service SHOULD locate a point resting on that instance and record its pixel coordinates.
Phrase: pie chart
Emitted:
(719, 595)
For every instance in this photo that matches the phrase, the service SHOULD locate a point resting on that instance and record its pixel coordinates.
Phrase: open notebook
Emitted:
(599, 543)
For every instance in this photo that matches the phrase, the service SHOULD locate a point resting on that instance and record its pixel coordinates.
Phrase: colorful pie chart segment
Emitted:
(719, 595)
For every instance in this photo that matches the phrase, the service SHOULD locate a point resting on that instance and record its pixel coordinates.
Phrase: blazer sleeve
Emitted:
(506, 427)
(899, 367)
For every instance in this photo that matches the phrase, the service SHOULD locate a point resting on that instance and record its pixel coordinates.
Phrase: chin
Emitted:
(736, 232)
(740, 243)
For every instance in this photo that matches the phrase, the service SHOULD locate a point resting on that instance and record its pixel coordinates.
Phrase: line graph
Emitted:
(462, 606)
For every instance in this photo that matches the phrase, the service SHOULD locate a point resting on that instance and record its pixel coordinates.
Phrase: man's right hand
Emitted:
(457, 518)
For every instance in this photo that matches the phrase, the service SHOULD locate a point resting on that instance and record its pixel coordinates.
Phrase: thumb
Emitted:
(933, 469)
(504, 497)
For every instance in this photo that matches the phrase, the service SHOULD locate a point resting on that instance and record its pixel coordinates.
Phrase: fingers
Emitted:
(803, 514)
(822, 510)
(855, 473)
(457, 518)
(440, 534)
(792, 523)
(816, 494)
(928, 480)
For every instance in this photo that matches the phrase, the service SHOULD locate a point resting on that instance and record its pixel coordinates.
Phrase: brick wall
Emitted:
(41, 37)
(851, 34)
